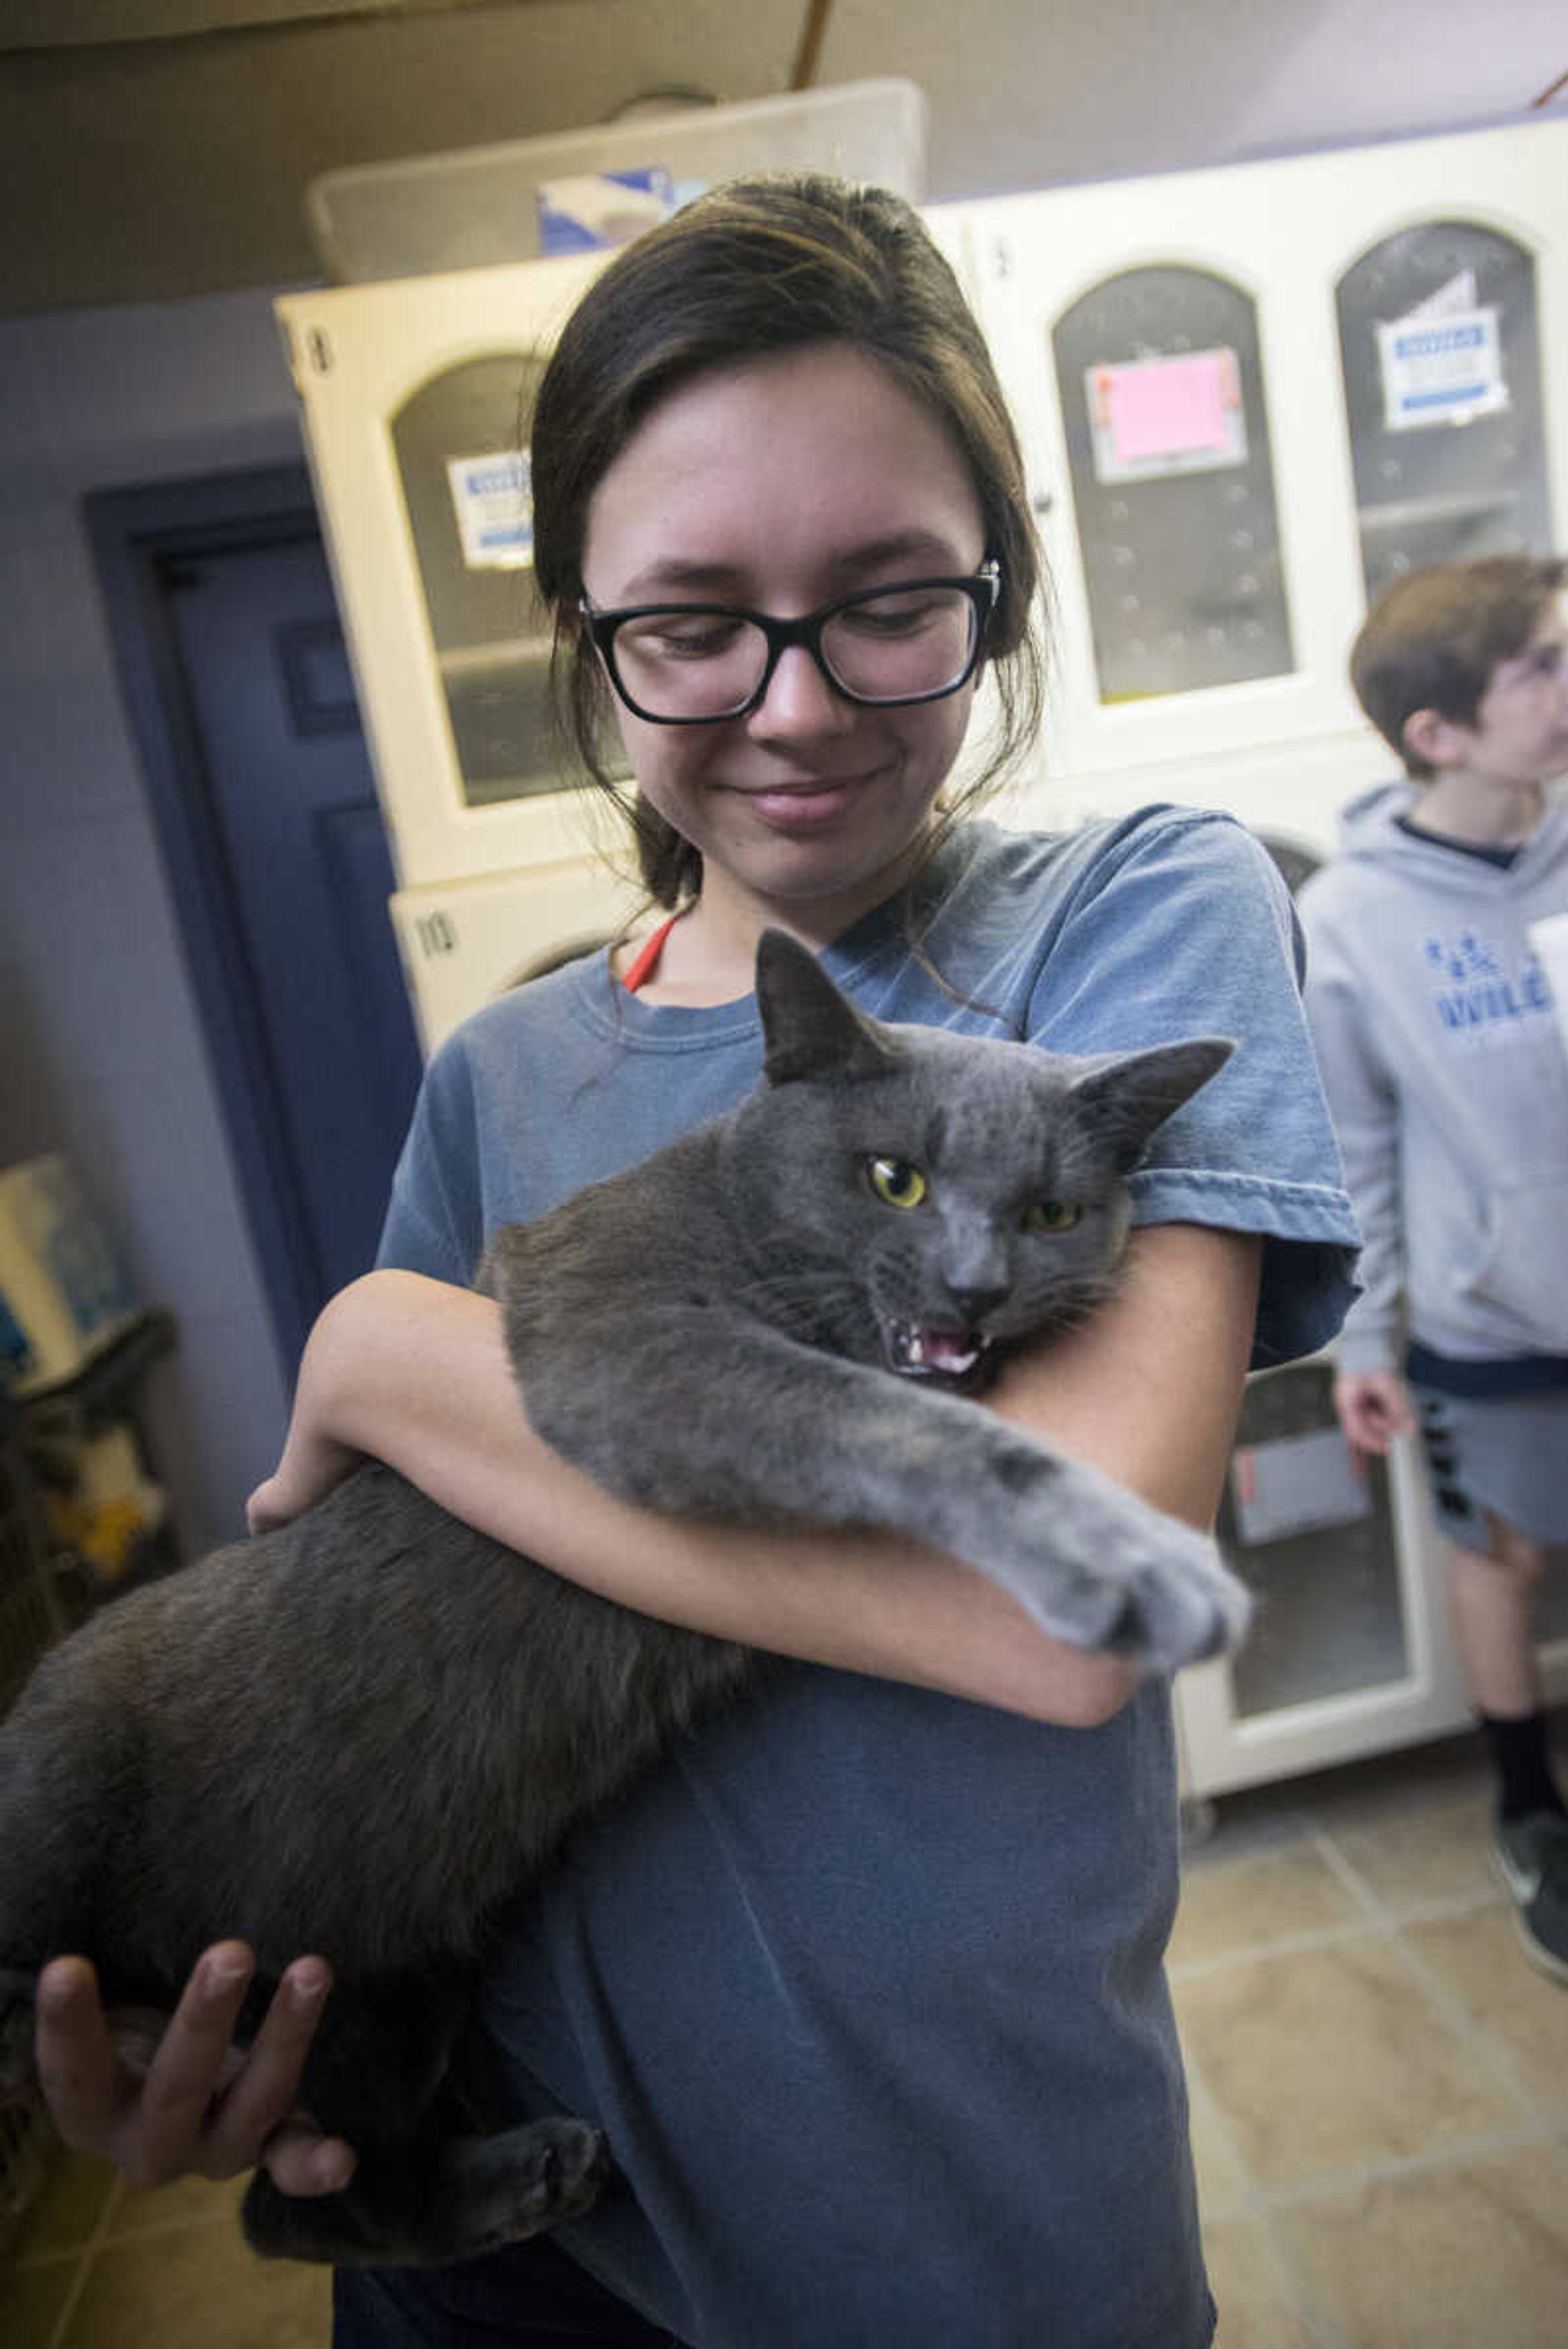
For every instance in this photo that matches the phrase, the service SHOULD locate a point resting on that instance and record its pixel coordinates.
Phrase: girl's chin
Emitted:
(818, 885)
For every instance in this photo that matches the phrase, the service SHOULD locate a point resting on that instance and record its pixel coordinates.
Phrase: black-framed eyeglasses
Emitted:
(696, 664)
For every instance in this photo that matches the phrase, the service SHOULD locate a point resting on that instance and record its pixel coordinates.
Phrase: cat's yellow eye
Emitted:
(896, 1183)
(1052, 1216)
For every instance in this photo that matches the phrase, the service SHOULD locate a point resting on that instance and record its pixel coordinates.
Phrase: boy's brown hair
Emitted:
(1432, 640)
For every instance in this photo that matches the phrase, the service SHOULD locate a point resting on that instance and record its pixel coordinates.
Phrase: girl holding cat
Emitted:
(864, 1986)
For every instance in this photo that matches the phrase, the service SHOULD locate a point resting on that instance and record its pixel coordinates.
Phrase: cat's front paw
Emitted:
(525, 2179)
(1182, 1605)
(1124, 1580)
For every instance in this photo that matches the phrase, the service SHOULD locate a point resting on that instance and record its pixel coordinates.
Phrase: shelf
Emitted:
(96, 1393)
(1402, 514)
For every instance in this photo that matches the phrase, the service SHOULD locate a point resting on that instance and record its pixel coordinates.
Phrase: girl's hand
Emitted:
(201, 2107)
(311, 1465)
(316, 1455)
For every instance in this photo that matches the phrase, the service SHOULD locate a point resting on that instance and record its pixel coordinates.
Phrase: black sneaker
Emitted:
(1530, 1856)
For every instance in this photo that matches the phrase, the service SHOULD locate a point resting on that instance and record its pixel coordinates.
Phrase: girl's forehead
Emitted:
(818, 456)
(810, 377)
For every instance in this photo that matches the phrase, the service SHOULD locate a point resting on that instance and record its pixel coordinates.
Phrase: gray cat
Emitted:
(365, 1734)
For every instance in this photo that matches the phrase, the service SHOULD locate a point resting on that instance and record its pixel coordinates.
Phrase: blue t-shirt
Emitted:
(865, 1983)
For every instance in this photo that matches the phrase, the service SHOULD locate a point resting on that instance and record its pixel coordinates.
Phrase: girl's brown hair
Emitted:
(1432, 640)
(763, 265)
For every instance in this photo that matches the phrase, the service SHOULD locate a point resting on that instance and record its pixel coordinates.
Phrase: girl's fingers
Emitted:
(202, 2107)
(301, 2161)
(171, 2134)
(152, 2129)
(79, 2070)
(260, 2098)
(263, 1511)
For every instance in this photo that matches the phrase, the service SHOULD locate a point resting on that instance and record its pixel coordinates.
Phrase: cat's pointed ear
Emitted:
(1128, 1097)
(809, 1028)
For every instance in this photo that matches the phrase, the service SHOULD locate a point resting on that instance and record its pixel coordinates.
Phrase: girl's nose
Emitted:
(799, 700)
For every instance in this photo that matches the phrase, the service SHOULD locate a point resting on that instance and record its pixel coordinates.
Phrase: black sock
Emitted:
(1520, 1758)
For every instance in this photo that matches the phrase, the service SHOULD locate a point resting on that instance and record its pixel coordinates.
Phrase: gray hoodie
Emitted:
(1446, 1073)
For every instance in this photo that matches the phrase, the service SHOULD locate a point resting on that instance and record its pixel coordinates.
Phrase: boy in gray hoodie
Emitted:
(1446, 1072)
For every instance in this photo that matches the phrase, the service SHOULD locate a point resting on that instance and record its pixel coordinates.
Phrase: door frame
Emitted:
(135, 534)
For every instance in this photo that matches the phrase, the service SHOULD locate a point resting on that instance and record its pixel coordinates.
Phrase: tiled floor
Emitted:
(96, 2265)
(1380, 2108)
(1380, 2080)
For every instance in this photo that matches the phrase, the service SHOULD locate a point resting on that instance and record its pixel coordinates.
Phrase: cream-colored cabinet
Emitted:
(414, 393)
(1248, 397)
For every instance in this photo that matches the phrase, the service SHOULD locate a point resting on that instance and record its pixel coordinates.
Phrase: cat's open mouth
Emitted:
(918, 1350)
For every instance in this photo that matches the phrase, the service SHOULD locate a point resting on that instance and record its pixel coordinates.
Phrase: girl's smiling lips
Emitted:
(801, 801)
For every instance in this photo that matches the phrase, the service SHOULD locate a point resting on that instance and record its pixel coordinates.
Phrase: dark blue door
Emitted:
(296, 823)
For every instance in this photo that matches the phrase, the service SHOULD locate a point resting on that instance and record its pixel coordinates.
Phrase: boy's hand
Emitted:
(202, 2108)
(1373, 1407)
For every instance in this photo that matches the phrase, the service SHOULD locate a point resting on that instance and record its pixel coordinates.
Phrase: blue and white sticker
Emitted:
(596, 210)
(494, 501)
(1442, 370)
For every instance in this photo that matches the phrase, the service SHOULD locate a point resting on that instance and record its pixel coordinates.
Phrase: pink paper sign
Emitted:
(1168, 407)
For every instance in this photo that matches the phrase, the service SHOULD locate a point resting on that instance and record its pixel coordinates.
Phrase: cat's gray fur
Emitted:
(364, 1733)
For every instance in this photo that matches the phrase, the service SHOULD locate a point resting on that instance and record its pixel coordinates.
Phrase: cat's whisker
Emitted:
(799, 1275)
(802, 1290)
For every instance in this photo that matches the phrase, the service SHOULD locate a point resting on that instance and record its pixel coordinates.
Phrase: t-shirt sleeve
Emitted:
(434, 1218)
(1185, 928)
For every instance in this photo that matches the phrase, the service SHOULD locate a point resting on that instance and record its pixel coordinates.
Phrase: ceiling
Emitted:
(153, 149)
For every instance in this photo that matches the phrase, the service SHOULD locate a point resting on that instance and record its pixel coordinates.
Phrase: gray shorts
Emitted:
(1505, 1456)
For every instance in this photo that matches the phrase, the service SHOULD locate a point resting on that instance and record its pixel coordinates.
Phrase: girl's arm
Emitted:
(415, 1373)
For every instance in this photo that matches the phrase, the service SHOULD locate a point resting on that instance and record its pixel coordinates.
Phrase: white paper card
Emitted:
(1295, 1484)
